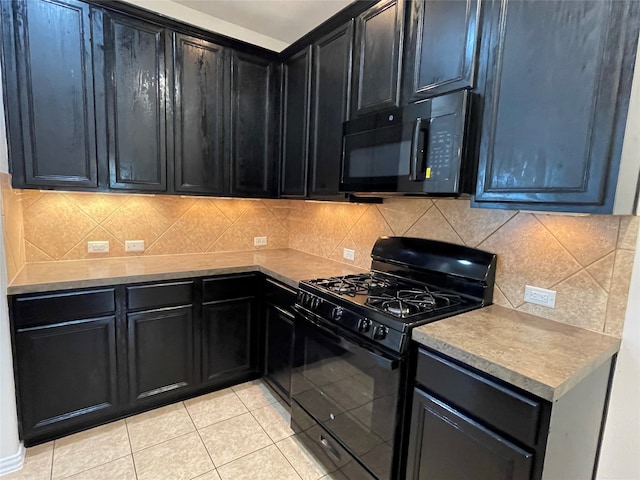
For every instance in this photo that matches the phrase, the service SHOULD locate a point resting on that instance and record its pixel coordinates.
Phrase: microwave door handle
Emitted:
(417, 148)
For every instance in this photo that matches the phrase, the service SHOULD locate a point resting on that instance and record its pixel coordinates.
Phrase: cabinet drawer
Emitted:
(230, 287)
(51, 308)
(159, 295)
(502, 409)
(279, 294)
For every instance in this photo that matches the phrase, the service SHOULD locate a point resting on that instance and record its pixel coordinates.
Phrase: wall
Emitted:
(11, 451)
(57, 226)
(586, 259)
(619, 458)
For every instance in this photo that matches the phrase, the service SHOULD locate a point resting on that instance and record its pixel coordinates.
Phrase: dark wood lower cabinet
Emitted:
(229, 340)
(279, 350)
(85, 357)
(160, 353)
(66, 375)
(447, 445)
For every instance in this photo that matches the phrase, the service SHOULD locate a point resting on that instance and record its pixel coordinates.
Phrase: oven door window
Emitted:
(377, 158)
(352, 392)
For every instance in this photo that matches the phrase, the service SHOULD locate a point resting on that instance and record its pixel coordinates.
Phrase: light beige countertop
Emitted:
(286, 265)
(540, 356)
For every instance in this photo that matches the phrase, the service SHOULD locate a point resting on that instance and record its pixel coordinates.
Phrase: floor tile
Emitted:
(234, 438)
(275, 419)
(254, 394)
(159, 425)
(181, 458)
(212, 475)
(265, 464)
(37, 464)
(305, 463)
(121, 469)
(88, 449)
(334, 476)
(214, 407)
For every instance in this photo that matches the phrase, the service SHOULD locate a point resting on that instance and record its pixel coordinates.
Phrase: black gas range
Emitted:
(412, 282)
(350, 380)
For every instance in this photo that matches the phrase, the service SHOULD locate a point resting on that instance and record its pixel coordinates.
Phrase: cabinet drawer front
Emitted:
(50, 308)
(488, 401)
(159, 295)
(227, 288)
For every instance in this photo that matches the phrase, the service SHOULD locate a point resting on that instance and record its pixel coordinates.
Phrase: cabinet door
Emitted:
(556, 96)
(50, 103)
(446, 445)
(229, 340)
(198, 105)
(440, 53)
(160, 353)
(66, 375)
(254, 125)
(331, 96)
(136, 106)
(378, 54)
(279, 350)
(295, 151)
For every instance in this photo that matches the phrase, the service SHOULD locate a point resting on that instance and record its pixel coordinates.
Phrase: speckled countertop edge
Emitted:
(285, 265)
(545, 358)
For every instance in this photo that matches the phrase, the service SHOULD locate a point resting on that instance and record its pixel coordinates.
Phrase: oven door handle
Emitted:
(347, 341)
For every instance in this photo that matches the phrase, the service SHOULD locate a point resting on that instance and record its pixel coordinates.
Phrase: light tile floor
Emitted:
(237, 433)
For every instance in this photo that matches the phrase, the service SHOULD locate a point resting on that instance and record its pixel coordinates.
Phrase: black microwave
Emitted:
(423, 148)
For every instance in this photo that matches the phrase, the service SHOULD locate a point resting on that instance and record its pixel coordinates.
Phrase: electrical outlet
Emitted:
(98, 247)
(134, 246)
(540, 296)
(259, 241)
(349, 254)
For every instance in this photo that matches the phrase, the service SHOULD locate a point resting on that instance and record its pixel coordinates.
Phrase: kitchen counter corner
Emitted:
(541, 356)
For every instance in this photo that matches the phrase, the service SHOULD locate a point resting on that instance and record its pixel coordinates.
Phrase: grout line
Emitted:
(53, 450)
(450, 226)
(418, 219)
(206, 449)
(95, 466)
(495, 230)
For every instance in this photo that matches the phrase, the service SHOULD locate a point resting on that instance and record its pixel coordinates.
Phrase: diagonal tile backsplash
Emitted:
(587, 260)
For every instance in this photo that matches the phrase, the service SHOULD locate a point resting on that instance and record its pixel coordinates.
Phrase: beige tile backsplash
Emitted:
(587, 260)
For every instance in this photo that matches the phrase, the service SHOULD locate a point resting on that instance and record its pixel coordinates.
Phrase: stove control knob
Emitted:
(315, 302)
(364, 324)
(337, 312)
(380, 332)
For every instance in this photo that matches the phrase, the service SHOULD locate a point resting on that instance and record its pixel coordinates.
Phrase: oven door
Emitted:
(351, 391)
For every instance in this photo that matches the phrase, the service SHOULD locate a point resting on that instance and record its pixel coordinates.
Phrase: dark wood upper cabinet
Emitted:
(255, 125)
(556, 86)
(378, 56)
(331, 96)
(50, 103)
(136, 103)
(295, 149)
(199, 161)
(440, 48)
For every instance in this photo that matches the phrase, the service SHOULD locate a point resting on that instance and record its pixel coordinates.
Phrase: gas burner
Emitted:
(352, 285)
(406, 303)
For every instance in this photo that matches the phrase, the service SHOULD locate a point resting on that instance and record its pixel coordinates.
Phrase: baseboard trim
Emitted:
(13, 462)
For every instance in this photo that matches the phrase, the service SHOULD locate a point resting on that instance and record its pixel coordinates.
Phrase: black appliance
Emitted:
(423, 148)
(352, 334)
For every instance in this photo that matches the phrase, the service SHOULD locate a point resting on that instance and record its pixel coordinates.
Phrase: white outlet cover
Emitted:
(98, 247)
(259, 241)
(134, 246)
(540, 296)
(349, 254)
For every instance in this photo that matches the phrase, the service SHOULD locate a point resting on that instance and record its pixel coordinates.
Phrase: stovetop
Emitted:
(389, 295)
(379, 306)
